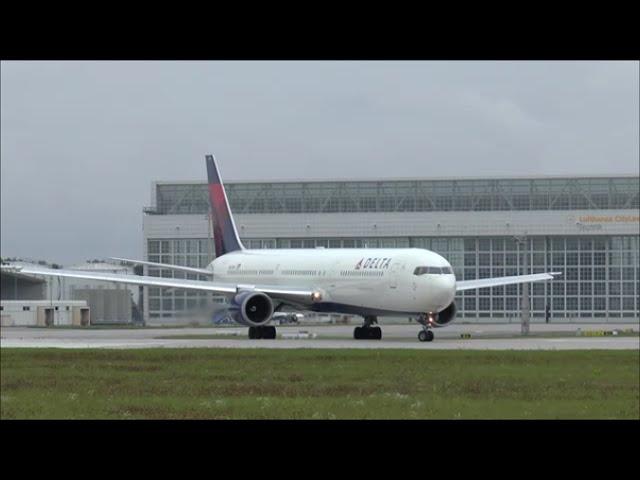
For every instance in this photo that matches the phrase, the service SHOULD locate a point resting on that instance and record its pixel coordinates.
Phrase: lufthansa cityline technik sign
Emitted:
(609, 218)
(595, 222)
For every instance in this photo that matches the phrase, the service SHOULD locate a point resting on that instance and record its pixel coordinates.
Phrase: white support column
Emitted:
(524, 305)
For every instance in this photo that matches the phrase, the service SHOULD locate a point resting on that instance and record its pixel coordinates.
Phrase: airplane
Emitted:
(369, 282)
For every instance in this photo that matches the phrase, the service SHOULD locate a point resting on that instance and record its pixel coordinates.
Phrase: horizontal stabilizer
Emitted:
(200, 271)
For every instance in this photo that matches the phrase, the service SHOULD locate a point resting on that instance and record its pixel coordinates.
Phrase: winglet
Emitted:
(225, 234)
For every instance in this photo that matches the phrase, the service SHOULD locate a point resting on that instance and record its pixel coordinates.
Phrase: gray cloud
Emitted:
(82, 141)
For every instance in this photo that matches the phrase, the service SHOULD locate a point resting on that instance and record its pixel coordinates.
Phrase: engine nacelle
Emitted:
(446, 316)
(251, 309)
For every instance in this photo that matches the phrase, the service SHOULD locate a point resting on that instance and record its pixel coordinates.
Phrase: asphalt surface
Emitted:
(482, 337)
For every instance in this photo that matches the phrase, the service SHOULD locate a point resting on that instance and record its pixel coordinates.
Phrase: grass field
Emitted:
(323, 384)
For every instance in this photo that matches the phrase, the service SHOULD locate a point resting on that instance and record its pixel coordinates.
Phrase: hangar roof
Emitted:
(410, 195)
(22, 276)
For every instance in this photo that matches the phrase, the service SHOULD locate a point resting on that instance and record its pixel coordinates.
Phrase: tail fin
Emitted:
(225, 233)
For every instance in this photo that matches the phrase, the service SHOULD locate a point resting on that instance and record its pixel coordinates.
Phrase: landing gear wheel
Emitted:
(376, 333)
(255, 333)
(367, 333)
(425, 336)
(269, 332)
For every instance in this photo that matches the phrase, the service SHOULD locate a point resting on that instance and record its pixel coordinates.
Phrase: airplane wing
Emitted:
(199, 271)
(499, 281)
(277, 292)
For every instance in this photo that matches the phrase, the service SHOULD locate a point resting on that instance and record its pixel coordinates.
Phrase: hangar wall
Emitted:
(15, 286)
(587, 228)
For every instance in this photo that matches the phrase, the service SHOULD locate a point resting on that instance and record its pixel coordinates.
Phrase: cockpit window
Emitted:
(423, 270)
(432, 270)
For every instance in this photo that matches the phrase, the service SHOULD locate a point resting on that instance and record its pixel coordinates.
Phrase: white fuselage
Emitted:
(361, 281)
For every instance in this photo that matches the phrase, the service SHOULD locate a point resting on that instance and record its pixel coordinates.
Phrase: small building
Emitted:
(109, 303)
(44, 313)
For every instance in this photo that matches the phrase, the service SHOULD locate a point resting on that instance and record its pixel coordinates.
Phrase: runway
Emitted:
(477, 337)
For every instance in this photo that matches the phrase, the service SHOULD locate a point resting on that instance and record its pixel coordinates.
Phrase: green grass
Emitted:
(257, 383)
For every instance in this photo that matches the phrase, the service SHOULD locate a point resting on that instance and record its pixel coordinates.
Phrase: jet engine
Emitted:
(251, 309)
(446, 316)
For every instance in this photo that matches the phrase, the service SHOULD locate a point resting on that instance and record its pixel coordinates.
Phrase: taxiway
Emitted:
(476, 337)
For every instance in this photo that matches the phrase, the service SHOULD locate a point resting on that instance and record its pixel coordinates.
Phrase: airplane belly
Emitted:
(352, 293)
(376, 296)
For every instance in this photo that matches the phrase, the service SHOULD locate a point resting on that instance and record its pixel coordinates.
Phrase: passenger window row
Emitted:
(360, 273)
(242, 272)
(300, 272)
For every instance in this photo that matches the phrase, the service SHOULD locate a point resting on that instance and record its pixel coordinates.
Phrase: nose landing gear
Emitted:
(367, 332)
(425, 335)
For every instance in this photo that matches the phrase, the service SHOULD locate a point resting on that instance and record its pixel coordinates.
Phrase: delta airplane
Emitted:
(368, 282)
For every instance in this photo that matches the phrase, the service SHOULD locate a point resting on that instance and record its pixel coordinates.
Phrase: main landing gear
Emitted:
(425, 335)
(256, 333)
(367, 332)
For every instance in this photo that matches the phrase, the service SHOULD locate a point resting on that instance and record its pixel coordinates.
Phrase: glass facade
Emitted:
(599, 272)
(169, 303)
(407, 196)
(600, 275)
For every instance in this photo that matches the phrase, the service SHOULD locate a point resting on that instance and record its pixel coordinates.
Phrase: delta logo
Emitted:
(379, 263)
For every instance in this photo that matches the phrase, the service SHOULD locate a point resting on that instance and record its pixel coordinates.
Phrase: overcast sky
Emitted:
(81, 142)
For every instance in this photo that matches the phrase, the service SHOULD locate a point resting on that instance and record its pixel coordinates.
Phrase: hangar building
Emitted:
(108, 303)
(585, 227)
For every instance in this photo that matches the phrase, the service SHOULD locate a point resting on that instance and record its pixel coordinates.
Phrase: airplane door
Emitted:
(393, 278)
